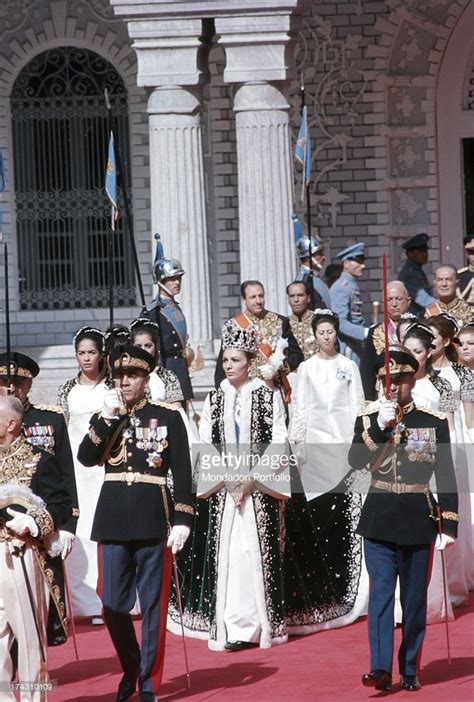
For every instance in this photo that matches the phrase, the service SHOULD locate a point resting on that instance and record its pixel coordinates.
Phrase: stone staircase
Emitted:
(57, 364)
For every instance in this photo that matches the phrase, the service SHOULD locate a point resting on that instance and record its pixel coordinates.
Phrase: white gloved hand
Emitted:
(387, 413)
(443, 540)
(22, 524)
(66, 540)
(267, 371)
(177, 537)
(111, 404)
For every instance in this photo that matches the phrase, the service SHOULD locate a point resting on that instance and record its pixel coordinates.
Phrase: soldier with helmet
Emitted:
(311, 269)
(166, 312)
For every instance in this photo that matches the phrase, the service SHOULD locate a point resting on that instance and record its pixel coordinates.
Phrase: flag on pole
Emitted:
(3, 185)
(3, 176)
(303, 149)
(111, 181)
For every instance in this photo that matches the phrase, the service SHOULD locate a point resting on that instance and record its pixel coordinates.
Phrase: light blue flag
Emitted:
(3, 185)
(111, 181)
(303, 149)
(3, 175)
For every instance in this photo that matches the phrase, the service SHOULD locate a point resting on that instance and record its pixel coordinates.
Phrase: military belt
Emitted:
(399, 488)
(132, 478)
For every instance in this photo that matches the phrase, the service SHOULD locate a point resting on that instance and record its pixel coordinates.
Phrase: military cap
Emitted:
(401, 360)
(130, 357)
(21, 366)
(419, 241)
(468, 241)
(352, 251)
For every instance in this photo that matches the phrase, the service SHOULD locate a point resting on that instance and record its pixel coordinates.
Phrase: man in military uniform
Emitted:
(413, 275)
(299, 299)
(398, 302)
(44, 426)
(275, 357)
(139, 442)
(166, 312)
(445, 284)
(346, 302)
(33, 504)
(310, 274)
(400, 520)
(466, 275)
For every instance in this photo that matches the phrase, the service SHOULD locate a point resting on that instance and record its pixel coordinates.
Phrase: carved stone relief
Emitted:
(407, 157)
(411, 49)
(408, 207)
(404, 106)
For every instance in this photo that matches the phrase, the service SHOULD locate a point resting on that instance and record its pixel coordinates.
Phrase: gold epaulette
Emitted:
(49, 408)
(166, 405)
(435, 413)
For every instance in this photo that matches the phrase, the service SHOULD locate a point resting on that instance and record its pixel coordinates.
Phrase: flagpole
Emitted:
(128, 217)
(308, 197)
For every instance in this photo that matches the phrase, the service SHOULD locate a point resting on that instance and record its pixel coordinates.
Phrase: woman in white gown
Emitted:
(433, 392)
(79, 398)
(328, 398)
(461, 379)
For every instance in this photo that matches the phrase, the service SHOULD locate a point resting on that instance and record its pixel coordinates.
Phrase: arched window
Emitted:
(60, 140)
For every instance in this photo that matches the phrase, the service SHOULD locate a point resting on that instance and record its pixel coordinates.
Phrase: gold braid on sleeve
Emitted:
(43, 519)
(181, 507)
(453, 516)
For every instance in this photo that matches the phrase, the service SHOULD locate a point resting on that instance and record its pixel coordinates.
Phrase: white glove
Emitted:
(22, 524)
(267, 371)
(387, 413)
(177, 537)
(66, 539)
(111, 404)
(443, 540)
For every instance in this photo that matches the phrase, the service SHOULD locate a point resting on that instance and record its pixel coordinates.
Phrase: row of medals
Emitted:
(151, 439)
(42, 436)
(420, 442)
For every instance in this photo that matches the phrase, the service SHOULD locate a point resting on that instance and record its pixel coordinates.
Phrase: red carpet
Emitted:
(318, 668)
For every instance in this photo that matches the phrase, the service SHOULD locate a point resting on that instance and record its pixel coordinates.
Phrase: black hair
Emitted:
(246, 284)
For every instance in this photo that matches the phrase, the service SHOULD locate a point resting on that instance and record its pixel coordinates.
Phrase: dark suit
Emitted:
(132, 522)
(44, 426)
(398, 525)
(281, 328)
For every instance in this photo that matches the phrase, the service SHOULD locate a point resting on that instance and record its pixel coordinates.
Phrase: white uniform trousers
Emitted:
(16, 621)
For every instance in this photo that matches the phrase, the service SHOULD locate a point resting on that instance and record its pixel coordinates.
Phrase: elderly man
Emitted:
(404, 448)
(278, 350)
(413, 275)
(136, 522)
(398, 302)
(299, 299)
(346, 302)
(466, 275)
(44, 426)
(33, 504)
(445, 285)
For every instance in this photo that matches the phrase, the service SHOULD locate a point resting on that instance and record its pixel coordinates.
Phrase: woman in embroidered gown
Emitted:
(79, 398)
(432, 392)
(255, 569)
(325, 406)
(461, 379)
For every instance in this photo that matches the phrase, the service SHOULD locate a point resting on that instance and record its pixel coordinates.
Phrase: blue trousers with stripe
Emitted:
(385, 561)
(128, 567)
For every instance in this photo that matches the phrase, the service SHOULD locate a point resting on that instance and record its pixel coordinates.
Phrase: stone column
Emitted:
(259, 53)
(177, 199)
(171, 58)
(265, 190)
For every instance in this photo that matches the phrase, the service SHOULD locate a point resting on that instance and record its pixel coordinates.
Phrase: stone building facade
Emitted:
(213, 98)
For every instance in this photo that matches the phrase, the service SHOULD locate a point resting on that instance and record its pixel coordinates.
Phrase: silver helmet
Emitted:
(302, 246)
(167, 268)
